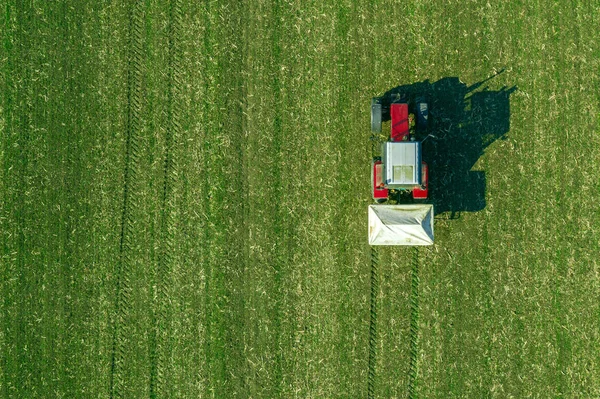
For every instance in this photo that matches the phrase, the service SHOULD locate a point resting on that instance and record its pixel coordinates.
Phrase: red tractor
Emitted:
(400, 171)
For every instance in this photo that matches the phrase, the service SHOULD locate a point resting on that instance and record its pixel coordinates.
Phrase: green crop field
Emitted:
(184, 192)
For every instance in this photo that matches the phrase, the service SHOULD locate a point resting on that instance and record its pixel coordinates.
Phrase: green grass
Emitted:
(183, 200)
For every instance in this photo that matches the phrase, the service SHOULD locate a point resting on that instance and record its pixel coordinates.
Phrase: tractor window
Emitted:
(403, 174)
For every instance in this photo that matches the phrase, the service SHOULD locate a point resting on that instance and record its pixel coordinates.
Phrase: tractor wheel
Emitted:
(376, 112)
(422, 115)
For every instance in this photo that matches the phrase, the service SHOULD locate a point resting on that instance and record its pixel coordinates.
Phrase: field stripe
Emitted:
(274, 344)
(160, 374)
(352, 251)
(279, 261)
(224, 235)
(21, 306)
(9, 231)
(130, 202)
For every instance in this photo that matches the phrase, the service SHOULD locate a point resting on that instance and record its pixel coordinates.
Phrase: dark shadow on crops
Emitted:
(465, 120)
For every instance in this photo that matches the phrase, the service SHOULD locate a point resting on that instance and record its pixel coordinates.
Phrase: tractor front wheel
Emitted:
(422, 115)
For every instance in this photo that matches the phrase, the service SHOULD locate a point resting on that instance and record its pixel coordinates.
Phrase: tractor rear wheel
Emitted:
(422, 115)
(376, 113)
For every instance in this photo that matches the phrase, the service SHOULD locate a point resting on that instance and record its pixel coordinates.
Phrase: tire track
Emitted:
(373, 324)
(160, 368)
(130, 202)
(373, 311)
(414, 326)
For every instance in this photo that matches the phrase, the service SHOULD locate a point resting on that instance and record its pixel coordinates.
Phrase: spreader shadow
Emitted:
(463, 122)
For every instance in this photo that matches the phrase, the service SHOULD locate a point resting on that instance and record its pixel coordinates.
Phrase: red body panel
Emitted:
(420, 193)
(399, 117)
(379, 192)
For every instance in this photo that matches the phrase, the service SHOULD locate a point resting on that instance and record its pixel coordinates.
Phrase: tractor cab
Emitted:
(400, 168)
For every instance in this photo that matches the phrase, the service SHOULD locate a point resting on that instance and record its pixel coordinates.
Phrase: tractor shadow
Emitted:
(464, 122)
